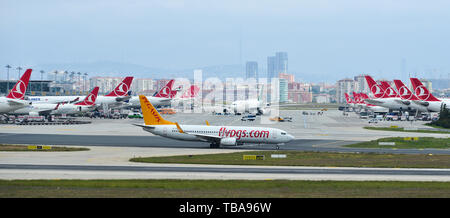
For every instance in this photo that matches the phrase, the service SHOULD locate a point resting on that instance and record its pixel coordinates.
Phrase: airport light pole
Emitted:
(19, 68)
(85, 75)
(7, 78)
(42, 76)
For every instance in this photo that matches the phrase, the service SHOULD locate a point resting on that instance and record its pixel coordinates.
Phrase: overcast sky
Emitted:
(321, 37)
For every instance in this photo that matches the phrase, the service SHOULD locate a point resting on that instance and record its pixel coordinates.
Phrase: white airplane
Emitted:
(408, 98)
(371, 107)
(114, 98)
(162, 98)
(384, 96)
(15, 99)
(87, 104)
(427, 99)
(216, 135)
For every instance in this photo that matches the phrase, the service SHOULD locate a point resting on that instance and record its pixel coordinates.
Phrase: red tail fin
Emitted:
(348, 99)
(421, 91)
(377, 90)
(122, 88)
(90, 99)
(390, 92)
(166, 91)
(192, 92)
(403, 91)
(18, 91)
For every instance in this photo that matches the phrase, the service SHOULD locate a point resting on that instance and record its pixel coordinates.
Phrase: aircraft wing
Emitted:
(123, 98)
(372, 101)
(208, 138)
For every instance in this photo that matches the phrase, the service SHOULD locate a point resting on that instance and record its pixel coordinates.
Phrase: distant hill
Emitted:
(117, 69)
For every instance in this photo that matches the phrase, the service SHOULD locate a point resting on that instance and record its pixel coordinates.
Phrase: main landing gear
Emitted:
(214, 145)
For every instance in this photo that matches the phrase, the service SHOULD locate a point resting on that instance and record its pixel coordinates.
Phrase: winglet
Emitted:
(179, 128)
(207, 123)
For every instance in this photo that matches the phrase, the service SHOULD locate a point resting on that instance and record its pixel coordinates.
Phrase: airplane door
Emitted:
(165, 131)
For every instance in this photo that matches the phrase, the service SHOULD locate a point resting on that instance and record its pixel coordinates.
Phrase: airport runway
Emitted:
(221, 172)
(320, 145)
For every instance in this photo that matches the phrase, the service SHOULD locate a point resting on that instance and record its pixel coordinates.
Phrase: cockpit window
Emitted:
(283, 133)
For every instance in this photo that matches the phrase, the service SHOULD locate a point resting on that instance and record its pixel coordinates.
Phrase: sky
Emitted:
(331, 38)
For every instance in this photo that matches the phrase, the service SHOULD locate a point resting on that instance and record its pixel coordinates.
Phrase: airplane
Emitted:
(349, 100)
(371, 107)
(87, 104)
(408, 98)
(427, 99)
(15, 99)
(114, 98)
(385, 96)
(161, 98)
(216, 135)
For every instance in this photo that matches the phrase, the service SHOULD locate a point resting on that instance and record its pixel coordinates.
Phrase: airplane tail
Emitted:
(151, 115)
(390, 92)
(421, 91)
(166, 91)
(122, 88)
(348, 99)
(356, 98)
(192, 92)
(377, 90)
(18, 91)
(90, 99)
(403, 91)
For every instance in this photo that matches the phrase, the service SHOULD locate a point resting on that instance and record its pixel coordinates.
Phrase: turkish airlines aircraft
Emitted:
(349, 100)
(408, 98)
(216, 135)
(162, 98)
(87, 104)
(427, 99)
(371, 107)
(15, 98)
(114, 98)
(384, 96)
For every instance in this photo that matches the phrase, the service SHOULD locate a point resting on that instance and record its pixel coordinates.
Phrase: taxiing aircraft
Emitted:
(216, 135)
(15, 99)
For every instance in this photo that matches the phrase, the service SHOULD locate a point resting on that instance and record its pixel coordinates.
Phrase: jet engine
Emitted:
(228, 141)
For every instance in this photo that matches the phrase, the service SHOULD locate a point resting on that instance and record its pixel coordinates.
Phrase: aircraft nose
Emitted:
(290, 137)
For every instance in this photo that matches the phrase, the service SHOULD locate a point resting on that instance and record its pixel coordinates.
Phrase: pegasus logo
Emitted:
(152, 110)
(19, 90)
(121, 89)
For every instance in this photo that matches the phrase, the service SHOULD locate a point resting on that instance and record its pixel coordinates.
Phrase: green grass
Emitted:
(299, 158)
(5, 147)
(219, 189)
(402, 130)
(400, 143)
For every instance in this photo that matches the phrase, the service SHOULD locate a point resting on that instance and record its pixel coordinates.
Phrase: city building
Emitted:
(277, 64)
(300, 92)
(289, 77)
(251, 70)
(283, 89)
(344, 86)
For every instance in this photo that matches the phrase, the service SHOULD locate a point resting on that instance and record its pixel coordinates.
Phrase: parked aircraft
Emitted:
(15, 99)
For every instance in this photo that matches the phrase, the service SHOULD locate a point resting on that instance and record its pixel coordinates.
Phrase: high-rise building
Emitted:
(251, 70)
(361, 84)
(289, 77)
(277, 64)
(344, 86)
(283, 87)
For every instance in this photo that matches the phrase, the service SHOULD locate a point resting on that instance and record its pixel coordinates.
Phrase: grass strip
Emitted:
(6, 147)
(402, 130)
(401, 143)
(300, 158)
(219, 189)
